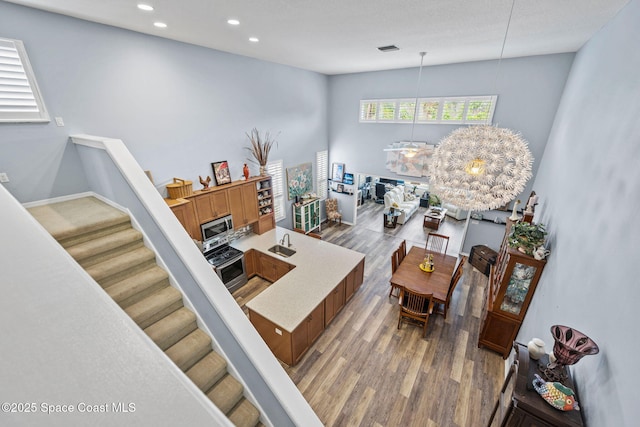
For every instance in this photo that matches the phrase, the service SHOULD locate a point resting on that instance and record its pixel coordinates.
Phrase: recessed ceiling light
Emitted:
(233, 22)
(145, 7)
(160, 24)
(254, 39)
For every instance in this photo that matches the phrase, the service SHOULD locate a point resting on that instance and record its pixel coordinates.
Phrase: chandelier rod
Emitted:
(415, 109)
(504, 42)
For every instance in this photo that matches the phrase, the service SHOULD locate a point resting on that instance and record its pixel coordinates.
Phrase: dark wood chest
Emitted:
(482, 257)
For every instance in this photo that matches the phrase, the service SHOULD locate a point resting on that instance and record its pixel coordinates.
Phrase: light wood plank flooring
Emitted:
(363, 371)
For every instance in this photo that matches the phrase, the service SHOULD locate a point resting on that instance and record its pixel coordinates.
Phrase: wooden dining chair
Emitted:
(415, 307)
(402, 250)
(395, 262)
(437, 243)
(457, 274)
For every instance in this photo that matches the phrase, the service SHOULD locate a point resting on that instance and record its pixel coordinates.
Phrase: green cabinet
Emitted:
(306, 215)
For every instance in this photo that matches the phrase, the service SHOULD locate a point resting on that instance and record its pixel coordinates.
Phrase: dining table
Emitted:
(409, 275)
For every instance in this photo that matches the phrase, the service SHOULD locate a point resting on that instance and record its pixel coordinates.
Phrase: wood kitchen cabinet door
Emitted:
(250, 264)
(187, 217)
(334, 302)
(211, 205)
(243, 204)
(307, 332)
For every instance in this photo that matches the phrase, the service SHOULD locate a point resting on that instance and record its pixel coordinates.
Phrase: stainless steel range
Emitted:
(227, 262)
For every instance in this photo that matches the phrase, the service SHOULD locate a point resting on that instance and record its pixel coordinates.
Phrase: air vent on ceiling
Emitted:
(389, 48)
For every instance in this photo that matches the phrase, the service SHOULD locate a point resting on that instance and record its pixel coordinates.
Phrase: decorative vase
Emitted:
(245, 171)
(536, 348)
(263, 170)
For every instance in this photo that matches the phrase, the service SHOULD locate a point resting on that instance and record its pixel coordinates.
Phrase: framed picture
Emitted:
(300, 180)
(221, 172)
(337, 172)
(340, 188)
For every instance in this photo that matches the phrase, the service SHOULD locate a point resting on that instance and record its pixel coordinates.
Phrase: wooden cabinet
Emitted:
(270, 268)
(250, 266)
(307, 332)
(519, 405)
(512, 283)
(186, 214)
(306, 215)
(243, 204)
(353, 280)
(334, 302)
(264, 197)
(210, 205)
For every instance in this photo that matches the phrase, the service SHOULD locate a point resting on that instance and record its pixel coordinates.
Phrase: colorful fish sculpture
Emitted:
(556, 394)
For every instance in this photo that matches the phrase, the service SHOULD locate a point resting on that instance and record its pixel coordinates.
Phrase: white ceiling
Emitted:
(342, 36)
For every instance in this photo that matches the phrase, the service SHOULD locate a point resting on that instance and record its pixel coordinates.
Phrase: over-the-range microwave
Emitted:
(215, 233)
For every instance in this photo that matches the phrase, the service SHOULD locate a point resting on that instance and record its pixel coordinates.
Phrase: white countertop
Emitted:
(320, 266)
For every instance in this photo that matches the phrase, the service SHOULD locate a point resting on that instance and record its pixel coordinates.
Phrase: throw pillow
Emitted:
(409, 197)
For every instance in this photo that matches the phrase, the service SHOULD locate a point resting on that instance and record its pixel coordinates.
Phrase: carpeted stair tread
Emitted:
(67, 221)
(190, 349)
(208, 371)
(244, 414)
(105, 247)
(155, 306)
(226, 393)
(122, 266)
(138, 286)
(172, 328)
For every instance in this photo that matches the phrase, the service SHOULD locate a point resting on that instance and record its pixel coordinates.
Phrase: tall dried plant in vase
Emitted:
(260, 148)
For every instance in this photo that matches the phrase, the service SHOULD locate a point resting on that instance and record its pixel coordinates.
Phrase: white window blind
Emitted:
(276, 170)
(446, 110)
(322, 174)
(20, 99)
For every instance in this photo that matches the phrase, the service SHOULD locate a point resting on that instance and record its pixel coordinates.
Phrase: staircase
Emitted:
(100, 238)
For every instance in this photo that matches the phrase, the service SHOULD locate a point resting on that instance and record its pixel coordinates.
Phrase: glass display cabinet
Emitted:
(512, 283)
(306, 215)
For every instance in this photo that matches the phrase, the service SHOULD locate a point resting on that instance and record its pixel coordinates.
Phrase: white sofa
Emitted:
(405, 202)
(454, 211)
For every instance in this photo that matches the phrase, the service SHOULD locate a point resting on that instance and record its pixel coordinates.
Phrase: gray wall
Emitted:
(177, 107)
(528, 89)
(588, 183)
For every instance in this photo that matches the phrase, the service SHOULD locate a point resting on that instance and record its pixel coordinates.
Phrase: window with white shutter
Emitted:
(322, 174)
(276, 170)
(20, 99)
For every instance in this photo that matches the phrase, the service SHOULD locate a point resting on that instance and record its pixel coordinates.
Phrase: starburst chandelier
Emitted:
(481, 167)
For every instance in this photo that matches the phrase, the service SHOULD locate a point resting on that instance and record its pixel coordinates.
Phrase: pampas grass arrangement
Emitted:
(260, 147)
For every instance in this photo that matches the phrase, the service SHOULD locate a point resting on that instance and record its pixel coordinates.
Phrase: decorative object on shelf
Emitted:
(483, 167)
(531, 203)
(299, 180)
(514, 214)
(541, 253)
(340, 188)
(536, 348)
(527, 237)
(556, 394)
(179, 188)
(337, 172)
(260, 148)
(205, 182)
(221, 172)
(245, 171)
(570, 346)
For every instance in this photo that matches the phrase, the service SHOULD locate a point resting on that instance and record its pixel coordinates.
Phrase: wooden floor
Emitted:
(363, 371)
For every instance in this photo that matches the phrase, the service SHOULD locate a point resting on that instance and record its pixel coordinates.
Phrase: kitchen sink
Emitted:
(283, 251)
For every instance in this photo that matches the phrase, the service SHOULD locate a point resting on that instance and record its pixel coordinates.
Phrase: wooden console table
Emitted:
(519, 405)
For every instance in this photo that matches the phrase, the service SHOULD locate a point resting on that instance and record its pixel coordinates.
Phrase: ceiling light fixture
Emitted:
(482, 167)
(233, 22)
(160, 24)
(254, 39)
(145, 7)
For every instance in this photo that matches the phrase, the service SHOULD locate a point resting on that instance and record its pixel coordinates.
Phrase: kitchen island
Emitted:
(294, 311)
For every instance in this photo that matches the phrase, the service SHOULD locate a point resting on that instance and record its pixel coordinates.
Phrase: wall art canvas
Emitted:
(221, 172)
(300, 180)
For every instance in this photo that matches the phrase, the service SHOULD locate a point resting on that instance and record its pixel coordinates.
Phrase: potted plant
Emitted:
(527, 237)
(260, 148)
(434, 200)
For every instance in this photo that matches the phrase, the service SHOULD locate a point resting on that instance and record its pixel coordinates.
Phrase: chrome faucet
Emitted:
(288, 240)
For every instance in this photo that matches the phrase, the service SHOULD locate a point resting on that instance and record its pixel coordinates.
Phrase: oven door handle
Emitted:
(228, 263)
